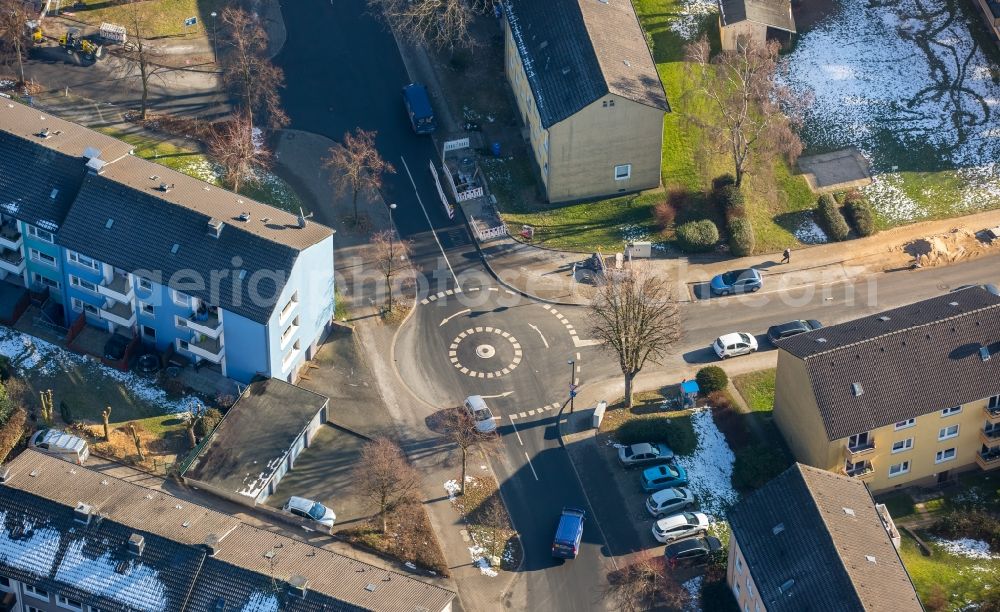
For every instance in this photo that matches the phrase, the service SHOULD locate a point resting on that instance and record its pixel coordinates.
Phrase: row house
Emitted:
(138, 250)
(906, 396)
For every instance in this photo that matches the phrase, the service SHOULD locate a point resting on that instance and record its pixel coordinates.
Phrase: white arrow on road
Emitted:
(446, 319)
(504, 394)
(540, 334)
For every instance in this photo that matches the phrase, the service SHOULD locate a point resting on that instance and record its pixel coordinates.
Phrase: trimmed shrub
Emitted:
(757, 465)
(731, 202)
(697, 236)
(859, 213)
(830, 218)
(664, 214)
(723, 180)
(711, 378)
(207, 423)
(664, 429)
(741, 237)
(66, 413)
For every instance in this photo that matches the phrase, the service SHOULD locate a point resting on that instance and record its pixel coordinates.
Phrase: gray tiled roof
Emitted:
(575, 51)
(39, 175)
(772, 13)
(147, 222)
(909, 361)
(258, 431)
(806, 552)
(261, 552)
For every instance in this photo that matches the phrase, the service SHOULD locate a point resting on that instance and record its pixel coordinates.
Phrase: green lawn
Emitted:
(757, 389)
(952, 580)
(165, 17)
(271, 190)
(649, 421)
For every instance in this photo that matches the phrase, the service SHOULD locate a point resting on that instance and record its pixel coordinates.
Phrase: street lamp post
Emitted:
(572, 383)
(215, 37)
(392, 232)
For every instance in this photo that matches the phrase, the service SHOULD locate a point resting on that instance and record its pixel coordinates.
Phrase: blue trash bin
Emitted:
(495, 149)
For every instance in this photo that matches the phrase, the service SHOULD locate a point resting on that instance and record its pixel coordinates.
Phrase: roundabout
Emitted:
(473, 352)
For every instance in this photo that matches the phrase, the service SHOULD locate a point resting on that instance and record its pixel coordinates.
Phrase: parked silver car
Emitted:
(643, 453)
(311, 510)
(669, 501)
(682, 525)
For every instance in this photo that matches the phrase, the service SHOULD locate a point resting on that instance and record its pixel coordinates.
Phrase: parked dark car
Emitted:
(691, 550)
(566, 544)
(792, 328)
(418, 108)
(736, 281)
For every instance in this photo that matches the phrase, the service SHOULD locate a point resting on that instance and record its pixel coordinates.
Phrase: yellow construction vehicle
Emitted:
(35, 31)
(72, 41)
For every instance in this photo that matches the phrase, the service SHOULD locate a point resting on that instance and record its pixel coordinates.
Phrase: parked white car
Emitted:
(311, 510)
(669, 501)
(682, 525)
(481, 414)
(731, 345)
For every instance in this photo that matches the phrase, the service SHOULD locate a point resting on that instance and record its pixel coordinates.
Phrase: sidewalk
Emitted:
(546, 274)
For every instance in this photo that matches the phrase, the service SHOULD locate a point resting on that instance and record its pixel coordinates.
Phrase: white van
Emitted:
(61, 444)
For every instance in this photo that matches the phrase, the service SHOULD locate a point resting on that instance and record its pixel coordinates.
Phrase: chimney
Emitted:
(211, 544)
(95, 165)
(5, 475)
(82, 513)
(303, 218)
(136, 544)
(297, 585)
(215, 227)
(164, 187)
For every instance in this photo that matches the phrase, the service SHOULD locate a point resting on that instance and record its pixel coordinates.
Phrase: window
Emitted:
(179, 298)
(36, 592)
(69, 604)
(4, 584)
(899, 468)
(905, 424)
(40, 257)
(946, 433)
(749, 587)
(32, 609)
(145, 284)
(736, 589)
(902, 445)
(80, 283)
(746, 607)
(81, 306)
(41, 234)
(149, 332)
(287, 308)
(180, 322)
(944, 455)
(147, 309)
(44, 280)
(994, 402)
(84, 261)
(182, 345)
(951, 411)
(623, 172)
(739, 565)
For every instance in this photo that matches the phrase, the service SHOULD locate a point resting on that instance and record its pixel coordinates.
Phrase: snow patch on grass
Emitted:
(808, 232)
(693, 587)
(687, 21)
(710, 467)
(967, 547)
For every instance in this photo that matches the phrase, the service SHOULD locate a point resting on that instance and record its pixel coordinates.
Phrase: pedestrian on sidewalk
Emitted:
(787, 256)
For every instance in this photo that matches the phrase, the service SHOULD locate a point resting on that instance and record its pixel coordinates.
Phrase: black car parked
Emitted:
(691, 550)
(785, 330)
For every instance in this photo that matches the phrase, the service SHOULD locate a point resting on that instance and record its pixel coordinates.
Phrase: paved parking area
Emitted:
(323, 472)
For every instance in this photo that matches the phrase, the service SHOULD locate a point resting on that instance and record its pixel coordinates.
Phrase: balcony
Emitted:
(210, 349)
(11, 261)
(992, 414)
(990, 437)
(205, 323)
(861, 472)
(119, 314)
(10, 238)
(119, 289)
(858, 450)
(989, 460)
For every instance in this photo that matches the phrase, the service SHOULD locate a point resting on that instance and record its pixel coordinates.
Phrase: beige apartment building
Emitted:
(907, 396)
(588, 93)
(814, 540)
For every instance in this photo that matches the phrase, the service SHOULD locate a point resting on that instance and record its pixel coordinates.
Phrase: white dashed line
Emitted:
(471, 289)
(432, 297)
(449, 292)
(531, 466)
(531, 413)
(547, 307)
(578, 356)
(522, 414)
(511, 417)
(425, 301)
(494, 289)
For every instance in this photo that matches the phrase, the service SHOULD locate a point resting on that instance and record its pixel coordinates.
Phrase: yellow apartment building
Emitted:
(907, 396)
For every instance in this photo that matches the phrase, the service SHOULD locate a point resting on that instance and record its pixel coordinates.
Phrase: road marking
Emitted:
(425, 301)
(578, 355)
(531, 413)
(555, 312)
(494, 289)
(555, 405)
(504, 394)
(522, 414)
(450, 317)
(464, 370)
(432, 297)
(471, 289)
(521, 442)
(531, 466)
(450, 292)
(540, 334)
(479, 330)
(509, 292)
(577, 369)
(569, 327)
(505, 335)
(581, 343)
(428, 217)
(547, 307)
(489, 329)
(489, 375)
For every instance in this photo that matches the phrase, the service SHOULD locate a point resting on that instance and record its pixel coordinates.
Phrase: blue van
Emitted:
(418, 107)
(566, 544)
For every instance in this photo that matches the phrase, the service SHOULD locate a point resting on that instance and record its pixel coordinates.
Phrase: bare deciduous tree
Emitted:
(357, 166)
(494, 518)
(755, 116)
(460, 429)
(390, 252)
(643, 585)
(439, 23)
(386, 477)
(636, 317)
(242, 157)
(138, 57)
(246, 68)
(14, 30)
